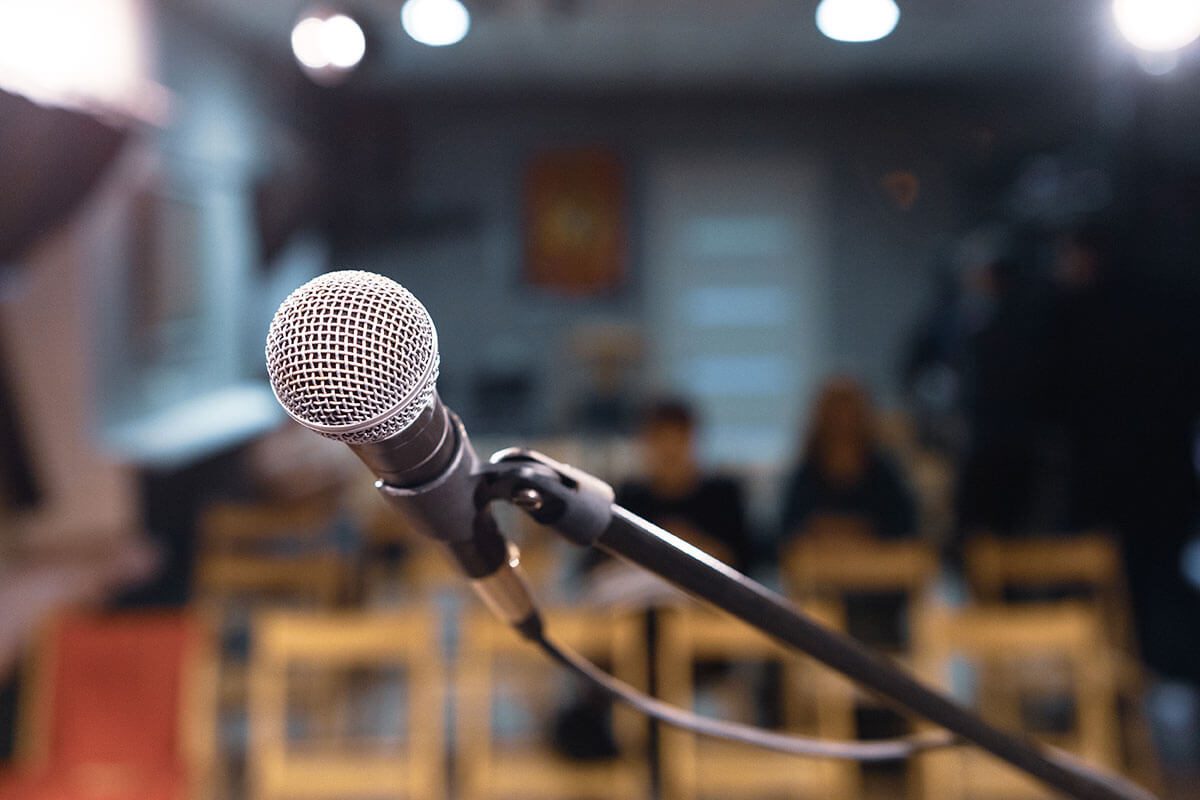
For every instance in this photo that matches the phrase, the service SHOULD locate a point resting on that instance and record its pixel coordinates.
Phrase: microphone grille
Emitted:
(353, 356)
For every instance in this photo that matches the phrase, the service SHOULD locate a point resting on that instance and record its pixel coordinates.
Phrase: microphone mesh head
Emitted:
(353, 356)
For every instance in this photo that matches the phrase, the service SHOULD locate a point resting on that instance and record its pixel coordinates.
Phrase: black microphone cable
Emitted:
(793, 744)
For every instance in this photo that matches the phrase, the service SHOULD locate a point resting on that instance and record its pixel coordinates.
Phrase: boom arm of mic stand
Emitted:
(567, 500)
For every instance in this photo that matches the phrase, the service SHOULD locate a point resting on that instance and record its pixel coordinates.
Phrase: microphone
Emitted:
(353, 356)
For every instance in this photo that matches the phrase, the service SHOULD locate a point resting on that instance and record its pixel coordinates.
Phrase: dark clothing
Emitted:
(1126, 393)
(1125, 390)
(1002, 385)
(997, 487)
(880, 498)
(715, 507)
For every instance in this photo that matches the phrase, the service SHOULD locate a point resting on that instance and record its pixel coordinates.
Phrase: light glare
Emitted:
(1158, 26)
(436, 23)
(328, 44)
(76, 53)
(344, 41)
(857, 20)
(307, 43)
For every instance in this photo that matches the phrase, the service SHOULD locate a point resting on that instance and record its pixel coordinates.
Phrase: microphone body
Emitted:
(417, 454)
(353, 357)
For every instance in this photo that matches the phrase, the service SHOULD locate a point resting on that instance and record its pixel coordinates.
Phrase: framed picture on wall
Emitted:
(576, 228)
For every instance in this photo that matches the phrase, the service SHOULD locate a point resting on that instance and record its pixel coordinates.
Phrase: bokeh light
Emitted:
(307, 44)
(343, 41)
(1158, 25)
(857, 20)
(74, 52)
(436, 23)
(328, 44)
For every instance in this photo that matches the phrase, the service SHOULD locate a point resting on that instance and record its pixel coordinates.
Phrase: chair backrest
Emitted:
(1057, 651)
(849, 574)
(124, 689)
(309, 581)
(1091, 562)
(814, 701)
(287, 643)
(493, 664)
(266, 551)
(252, 527)
(826, 569)
(1087, 559)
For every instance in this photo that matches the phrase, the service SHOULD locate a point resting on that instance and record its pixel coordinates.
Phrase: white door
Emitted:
(739, 291)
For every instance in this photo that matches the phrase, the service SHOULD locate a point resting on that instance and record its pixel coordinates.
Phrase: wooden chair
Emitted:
(224, 581)
(1088, 565)
(815, 701)
(235, 527)
(118, 707)
(1087, 562)
(291, 644)
(265, 553)
(252, 557)
(495, 665)
(832, 569)
(829, 568)
(883, 579)
(1057, 651)
(231, 588)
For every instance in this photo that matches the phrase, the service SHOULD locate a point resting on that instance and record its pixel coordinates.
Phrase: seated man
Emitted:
(707, 511)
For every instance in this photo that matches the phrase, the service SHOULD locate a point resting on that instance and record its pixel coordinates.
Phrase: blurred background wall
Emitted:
(249, 177)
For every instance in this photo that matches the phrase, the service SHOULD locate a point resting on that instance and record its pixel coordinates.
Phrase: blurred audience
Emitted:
(844, 483)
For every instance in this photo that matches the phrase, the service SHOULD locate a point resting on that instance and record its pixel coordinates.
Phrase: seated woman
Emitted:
(846, 491)
(844, 484)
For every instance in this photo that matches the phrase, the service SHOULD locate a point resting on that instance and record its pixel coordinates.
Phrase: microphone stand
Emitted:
(579, 506)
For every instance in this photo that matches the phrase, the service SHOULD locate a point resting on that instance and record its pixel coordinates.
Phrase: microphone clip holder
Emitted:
(578, 505)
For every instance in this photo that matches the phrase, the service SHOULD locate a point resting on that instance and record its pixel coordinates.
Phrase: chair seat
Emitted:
(94, 782)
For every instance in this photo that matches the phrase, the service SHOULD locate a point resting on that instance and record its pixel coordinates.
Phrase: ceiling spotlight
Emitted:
(1158, 25)
(857, 20)
(328, 44)
(436, 23)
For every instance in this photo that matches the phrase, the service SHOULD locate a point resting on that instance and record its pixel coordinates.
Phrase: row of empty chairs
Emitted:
(824, 573)
(120, 705)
